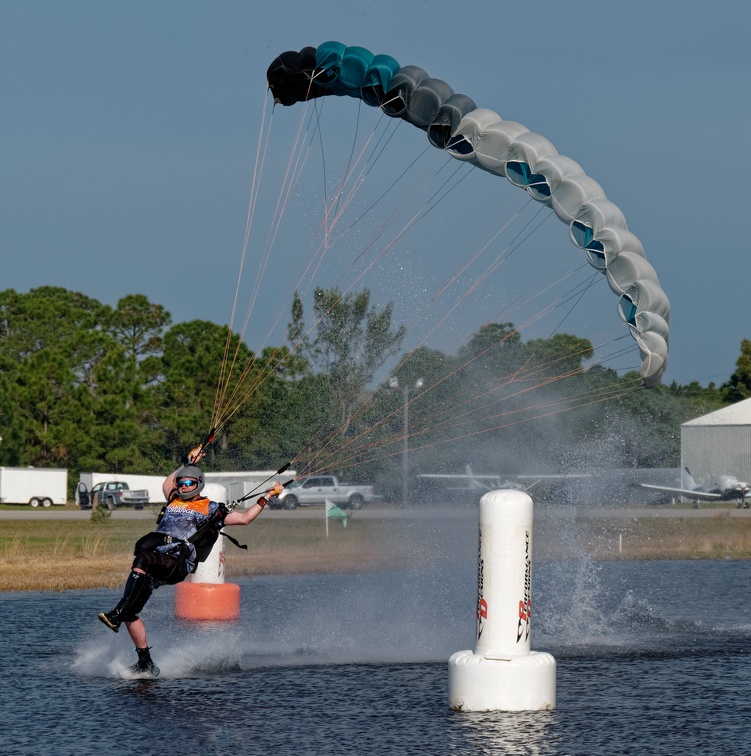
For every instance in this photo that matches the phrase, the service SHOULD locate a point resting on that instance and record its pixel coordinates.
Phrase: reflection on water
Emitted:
(530, 733)
(652, 658)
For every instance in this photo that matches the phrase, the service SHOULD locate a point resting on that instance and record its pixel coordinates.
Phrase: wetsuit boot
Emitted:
(138, 588)
(145, 666)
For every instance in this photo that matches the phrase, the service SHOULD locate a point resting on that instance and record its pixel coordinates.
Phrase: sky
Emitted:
(129, 135)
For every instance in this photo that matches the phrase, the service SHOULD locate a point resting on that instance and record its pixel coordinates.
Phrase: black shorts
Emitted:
(164, 569)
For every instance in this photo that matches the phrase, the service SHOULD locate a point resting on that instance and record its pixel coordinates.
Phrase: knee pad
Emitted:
(138, 589)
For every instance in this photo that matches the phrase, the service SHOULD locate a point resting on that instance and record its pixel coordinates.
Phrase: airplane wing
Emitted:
(448, 476)
(489, 482)
(560, 476)
(698, 495)
(473, 482)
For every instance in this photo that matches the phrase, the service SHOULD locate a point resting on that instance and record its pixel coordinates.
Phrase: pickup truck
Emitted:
(315, 489)
(114, 494)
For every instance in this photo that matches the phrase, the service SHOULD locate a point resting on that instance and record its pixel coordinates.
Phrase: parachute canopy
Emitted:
(454, 123)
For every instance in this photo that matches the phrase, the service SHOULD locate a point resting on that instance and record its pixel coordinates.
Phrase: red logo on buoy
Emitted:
(482, 604)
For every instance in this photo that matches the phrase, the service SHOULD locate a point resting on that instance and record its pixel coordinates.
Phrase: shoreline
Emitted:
(52, 554)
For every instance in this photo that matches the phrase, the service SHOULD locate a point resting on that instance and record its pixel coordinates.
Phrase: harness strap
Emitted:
(235, 541)
(151, 541)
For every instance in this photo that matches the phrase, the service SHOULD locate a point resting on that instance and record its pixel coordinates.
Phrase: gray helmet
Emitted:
(190, 471)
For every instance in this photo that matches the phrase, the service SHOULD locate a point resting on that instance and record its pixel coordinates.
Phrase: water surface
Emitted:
(652, 658)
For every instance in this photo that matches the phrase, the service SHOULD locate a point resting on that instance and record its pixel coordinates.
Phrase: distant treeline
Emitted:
(90, 387)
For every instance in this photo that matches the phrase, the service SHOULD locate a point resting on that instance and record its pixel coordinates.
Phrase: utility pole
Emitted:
(394, 386)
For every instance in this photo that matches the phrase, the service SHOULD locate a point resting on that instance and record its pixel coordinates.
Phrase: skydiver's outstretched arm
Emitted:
(250, 514)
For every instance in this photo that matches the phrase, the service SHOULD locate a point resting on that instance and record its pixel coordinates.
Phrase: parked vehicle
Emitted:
(112, 494)
(36, 486)
(316, 489)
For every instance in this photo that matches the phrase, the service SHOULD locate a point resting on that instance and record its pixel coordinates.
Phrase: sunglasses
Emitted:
(187, 482)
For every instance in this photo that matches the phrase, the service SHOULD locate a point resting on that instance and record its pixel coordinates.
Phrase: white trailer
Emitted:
(33, 485)
(236, 484)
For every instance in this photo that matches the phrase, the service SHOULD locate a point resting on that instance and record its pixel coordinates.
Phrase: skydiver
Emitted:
(168, 555)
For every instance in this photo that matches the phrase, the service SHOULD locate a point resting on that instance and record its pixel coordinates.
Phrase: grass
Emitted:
(76, 554)
(718, 537)
(63, 555)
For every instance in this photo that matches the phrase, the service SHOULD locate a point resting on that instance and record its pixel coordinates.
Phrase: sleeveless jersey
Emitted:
(183, 518)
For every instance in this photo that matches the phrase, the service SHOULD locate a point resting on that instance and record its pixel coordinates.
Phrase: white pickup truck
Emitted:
(114, 494)
(315, 489)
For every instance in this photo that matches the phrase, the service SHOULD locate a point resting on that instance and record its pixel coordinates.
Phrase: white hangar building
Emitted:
(718, 443)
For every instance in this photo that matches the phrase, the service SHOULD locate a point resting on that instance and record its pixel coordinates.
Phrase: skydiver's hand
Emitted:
(196, 455)
(275, 490)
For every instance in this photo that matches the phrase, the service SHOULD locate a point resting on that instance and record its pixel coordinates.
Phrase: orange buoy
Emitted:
(207, 601)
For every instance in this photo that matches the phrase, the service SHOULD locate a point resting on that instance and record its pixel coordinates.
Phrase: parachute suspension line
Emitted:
(437, 194)
(334, 433)
(369, 165)
(295, 164)
(338, 206)
(354, 191)
(592, 280)
(504, 255)
(315, 117)
(500, 258)
(409, 225)
(291, 177)
(429, 423)
(326, 244)
(562, 300)
(616, 394)
(514, 244)
(430, 388)
(228, 366)
(473, 257)
(255, 184)
(329, 228)
(550, 308)
(392, 125)
(417, 188)
(531, 295)
(577, 297)
(293, 172)
(359, 277)
(412, 221)
(346, 174)
(516, 376)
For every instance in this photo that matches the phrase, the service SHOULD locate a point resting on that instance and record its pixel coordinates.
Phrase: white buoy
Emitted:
(204, 595)
(503, 674)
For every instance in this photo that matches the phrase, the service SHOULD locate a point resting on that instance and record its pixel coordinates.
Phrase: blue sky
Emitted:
(129, 134)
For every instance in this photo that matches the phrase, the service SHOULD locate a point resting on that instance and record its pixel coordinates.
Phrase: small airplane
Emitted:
(720, 488)
(490, 482)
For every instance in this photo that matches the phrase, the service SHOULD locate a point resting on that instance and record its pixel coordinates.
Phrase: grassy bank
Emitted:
(716, 537)
(63, 554)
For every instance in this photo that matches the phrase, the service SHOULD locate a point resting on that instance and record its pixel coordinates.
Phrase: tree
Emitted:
(739, 385)
(46, 317)
(53, 340)
(198, 384)
(352, 341)
(53, 411)
(137, 325)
